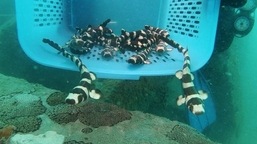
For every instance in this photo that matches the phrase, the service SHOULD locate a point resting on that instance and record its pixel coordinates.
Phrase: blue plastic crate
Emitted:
(192, 23)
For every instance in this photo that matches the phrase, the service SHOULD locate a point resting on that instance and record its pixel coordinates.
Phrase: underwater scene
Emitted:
(128, 72)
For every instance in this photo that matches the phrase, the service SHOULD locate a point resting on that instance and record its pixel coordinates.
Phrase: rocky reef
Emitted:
(19, 106)
(86, 123)
(91, 114)
(46, 138)
(56, 98)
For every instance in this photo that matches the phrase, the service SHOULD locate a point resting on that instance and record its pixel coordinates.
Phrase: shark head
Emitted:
(196, 109)
(195, 102)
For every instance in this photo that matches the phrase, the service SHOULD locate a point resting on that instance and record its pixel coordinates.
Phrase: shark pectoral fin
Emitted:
(179, 74)
(203, 95)
(181, 100)
(147, 62)
(95, 94)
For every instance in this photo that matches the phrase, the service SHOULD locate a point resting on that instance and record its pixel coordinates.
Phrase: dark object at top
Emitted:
(234, 22)
(233, 3)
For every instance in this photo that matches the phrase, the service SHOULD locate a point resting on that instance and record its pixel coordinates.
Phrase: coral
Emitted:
(26, 124)
(11, 107)
(92, 114)
(21, 110)
(7, 131)
(56, 98)
(63, 113)
(102, 114)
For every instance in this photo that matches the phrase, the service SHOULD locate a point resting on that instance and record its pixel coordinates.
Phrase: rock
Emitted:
(49, 137)
(114, 125)
(26, 98)
(14, 106)
(181, 134)
(145, 128)
(10, 85)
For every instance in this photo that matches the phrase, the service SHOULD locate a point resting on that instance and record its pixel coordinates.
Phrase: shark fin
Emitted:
(179, 74)
(147, 62)
(95, 94)
(181, 100)
(203, 95)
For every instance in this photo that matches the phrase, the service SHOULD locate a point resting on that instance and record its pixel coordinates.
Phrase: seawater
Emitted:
(243, 50)
(231, 75)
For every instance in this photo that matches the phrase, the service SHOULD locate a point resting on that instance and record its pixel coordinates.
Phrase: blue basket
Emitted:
(192, 23)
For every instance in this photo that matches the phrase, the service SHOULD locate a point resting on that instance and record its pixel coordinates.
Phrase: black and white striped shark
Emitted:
(161, 47)
(84, 89)
(140, 58)
(192, 98)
